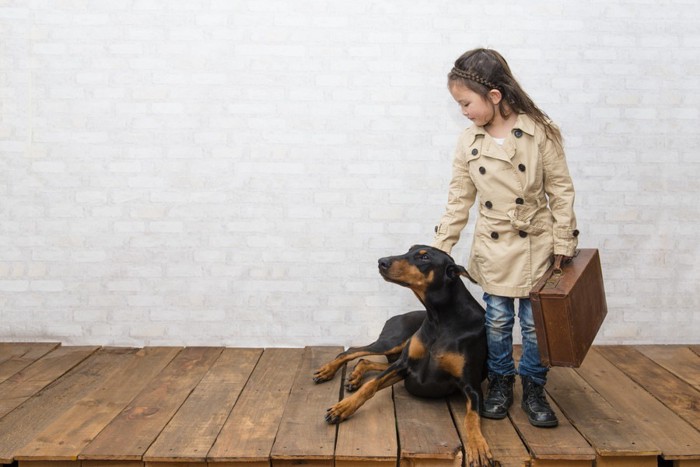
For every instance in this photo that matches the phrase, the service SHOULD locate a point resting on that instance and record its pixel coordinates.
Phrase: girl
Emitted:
(512, 158)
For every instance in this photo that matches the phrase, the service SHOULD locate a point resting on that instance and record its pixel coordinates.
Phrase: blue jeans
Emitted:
(500, 317)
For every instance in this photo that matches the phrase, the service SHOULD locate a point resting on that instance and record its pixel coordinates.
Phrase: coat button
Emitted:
(575, 233)
(482, 170)
(475, 152)
(522, 234)
(519, 201)
(494, 235)
(436, 229)
(518, 133)
(488, 204)
(521, 167)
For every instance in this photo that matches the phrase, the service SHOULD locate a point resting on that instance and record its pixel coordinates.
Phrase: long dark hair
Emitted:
(482, 70)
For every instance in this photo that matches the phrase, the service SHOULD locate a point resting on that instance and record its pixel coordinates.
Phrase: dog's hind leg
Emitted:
(348, 406)
(328, 371)
(391, 341)
(354, 380)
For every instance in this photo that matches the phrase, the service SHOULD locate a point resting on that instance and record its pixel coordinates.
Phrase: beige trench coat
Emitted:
(525, 206)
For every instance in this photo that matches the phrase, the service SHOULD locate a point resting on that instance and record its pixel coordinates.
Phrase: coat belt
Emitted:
(519, 217)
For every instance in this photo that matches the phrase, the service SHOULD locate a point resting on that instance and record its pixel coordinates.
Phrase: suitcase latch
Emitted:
(553, 281)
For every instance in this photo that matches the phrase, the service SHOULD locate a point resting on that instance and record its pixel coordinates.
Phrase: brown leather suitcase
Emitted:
(568, 305)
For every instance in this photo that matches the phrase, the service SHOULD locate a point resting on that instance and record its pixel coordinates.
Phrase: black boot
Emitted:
(535, 404)
(499, 397)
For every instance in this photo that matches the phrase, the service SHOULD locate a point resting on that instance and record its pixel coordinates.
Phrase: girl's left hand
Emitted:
(562, 259)
(559, 261)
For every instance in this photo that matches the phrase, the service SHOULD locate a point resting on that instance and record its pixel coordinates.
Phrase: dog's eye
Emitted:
(425, 258)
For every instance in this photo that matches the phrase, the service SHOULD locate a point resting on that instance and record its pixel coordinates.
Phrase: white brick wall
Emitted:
(228, 172)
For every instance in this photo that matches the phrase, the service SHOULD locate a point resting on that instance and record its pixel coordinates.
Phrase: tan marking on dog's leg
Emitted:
(398, 349)
(363, 366)
(348, 406)
(328, 371)
(478, 451)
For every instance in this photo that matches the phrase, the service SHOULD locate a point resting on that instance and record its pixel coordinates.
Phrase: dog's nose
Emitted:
(384, 264)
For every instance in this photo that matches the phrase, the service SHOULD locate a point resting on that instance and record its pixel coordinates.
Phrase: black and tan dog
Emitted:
(436, 351)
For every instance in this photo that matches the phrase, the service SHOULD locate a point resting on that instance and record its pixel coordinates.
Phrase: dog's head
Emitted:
(420, 269)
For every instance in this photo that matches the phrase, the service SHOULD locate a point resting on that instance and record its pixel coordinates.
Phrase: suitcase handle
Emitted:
(557, 271)
(557, 265)
(558, 259)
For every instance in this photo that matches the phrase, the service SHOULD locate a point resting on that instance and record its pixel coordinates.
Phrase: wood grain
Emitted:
(191, 433)
(304, 436)
(249, 433)
(130, 434)
(70, 432)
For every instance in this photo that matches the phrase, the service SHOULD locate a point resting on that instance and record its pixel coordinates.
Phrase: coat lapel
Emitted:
(495, 151)
(506, 152)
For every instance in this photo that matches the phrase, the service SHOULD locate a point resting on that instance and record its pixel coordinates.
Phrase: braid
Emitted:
(473, 77)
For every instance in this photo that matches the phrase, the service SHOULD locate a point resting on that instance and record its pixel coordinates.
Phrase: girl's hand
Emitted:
(559, 260)
(562, 259)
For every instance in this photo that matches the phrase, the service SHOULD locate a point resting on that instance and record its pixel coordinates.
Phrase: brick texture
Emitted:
(228, 172)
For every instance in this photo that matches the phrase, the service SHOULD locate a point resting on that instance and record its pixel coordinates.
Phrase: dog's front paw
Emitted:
(332, 417)
(323, 374)
(354, 381)
(351, 386)
(340, 412)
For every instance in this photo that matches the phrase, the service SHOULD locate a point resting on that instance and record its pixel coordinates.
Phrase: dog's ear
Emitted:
(455, 270)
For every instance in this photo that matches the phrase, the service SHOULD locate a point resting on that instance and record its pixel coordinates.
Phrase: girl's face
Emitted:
(479, 110)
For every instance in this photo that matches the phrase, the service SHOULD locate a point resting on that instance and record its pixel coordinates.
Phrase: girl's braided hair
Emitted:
(482, 70)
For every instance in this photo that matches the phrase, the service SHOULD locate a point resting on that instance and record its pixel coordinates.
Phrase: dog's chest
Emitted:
(436, 372)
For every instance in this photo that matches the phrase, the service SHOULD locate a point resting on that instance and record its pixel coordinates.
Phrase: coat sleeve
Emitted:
(460, 199)
(560, 191)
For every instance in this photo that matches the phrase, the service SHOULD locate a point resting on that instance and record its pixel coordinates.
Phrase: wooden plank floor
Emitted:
(232, 407)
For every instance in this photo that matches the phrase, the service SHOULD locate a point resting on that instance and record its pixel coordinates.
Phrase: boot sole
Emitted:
(542, 424)
(494, 416)
(550, 424)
